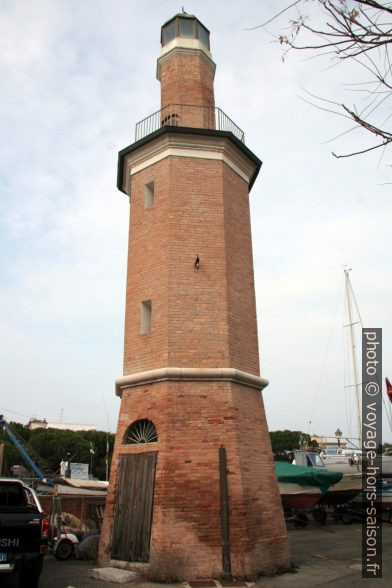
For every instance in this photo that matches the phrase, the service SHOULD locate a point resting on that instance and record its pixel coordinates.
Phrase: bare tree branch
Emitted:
(274, 17)
(358, 152)
(357, 30)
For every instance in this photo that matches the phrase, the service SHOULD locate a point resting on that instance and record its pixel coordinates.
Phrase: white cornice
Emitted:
(183, 145)
(176, 374)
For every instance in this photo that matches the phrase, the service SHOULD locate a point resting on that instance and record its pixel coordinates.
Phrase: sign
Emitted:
(79, 471)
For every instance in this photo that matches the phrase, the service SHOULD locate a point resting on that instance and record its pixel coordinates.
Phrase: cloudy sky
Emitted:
(75, 78)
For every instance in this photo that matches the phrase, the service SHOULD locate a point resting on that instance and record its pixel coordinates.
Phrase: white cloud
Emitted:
(26, 28)
(77, 77)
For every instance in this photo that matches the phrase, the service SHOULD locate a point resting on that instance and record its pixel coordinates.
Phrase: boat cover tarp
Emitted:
(306, 476)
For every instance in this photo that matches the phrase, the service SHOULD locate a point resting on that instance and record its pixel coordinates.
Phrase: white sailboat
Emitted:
(386, 460)
(348, 461)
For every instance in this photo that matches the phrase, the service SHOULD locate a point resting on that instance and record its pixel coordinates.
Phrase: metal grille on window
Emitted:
(171, 120)
(142, 431)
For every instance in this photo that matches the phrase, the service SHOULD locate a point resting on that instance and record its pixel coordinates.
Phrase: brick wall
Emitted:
(193, 420)
(204, 317)
(188, 79)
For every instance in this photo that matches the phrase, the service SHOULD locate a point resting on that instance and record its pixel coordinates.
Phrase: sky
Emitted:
(75, 79)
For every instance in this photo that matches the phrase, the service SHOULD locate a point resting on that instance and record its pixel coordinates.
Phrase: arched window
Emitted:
(142, 431)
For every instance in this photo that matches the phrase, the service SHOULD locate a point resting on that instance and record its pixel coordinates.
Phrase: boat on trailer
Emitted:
(348, 460)
(348, 486)
(301, 488)
(383, 496)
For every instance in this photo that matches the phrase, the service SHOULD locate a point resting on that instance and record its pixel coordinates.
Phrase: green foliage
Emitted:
(55, 445)
(283, 443)
(12, 455)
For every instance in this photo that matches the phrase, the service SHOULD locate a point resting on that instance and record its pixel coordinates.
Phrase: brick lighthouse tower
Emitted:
(193, 491)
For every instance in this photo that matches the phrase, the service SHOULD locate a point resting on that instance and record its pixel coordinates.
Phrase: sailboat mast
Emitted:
(354, 353)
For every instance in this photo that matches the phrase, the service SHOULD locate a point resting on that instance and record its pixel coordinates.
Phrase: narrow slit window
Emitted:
(146, 311)
(149, 195)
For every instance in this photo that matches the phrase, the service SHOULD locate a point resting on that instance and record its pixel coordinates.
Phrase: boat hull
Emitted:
(383, 497)
(349, 486)
(297, 496)
(346, 465)
(342, 464)
(386, 465)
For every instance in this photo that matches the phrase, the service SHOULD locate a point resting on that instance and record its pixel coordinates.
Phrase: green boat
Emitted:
(302, 487)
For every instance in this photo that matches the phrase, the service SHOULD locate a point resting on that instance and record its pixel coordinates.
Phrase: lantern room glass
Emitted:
(203, 35)
(188, 28)
(169, 32)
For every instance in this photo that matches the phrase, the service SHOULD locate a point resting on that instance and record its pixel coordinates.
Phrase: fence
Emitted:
(188, 115)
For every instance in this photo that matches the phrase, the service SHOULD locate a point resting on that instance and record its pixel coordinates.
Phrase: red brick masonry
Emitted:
(202, 317)
(193, 420)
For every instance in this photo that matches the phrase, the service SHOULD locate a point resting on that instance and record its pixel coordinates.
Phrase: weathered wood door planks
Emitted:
(134, 506)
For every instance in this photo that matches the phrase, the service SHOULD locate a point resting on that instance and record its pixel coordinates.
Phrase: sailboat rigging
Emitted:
(349, 294)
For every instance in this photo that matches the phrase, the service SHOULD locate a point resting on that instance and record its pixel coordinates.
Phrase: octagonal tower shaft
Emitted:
(190, 391)
(191, 256)
(186, 72)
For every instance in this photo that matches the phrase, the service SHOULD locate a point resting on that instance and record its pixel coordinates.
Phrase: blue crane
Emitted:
(25, 452)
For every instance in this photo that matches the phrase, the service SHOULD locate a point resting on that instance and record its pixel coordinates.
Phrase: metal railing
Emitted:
(188, 115)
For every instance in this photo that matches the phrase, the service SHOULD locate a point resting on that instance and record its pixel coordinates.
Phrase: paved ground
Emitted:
(327, 555)
(330, 555)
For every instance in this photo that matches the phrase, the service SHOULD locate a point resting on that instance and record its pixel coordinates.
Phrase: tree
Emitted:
(12, 455)
(55, 445)
(283, 443)
(359, 31)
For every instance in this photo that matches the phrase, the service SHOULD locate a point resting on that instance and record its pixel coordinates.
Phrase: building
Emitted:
(43, 424)
(193, 491)
(37, 424)
(330, 441)
(70, 426)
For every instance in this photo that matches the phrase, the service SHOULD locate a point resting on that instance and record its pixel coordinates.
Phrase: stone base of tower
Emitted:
(193, 420)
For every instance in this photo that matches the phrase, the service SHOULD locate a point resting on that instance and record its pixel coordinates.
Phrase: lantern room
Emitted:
(185, 26)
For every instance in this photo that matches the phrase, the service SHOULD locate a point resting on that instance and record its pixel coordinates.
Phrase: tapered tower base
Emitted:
(194, 419)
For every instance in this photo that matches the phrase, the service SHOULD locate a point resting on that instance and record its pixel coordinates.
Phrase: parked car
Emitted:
(24, 529)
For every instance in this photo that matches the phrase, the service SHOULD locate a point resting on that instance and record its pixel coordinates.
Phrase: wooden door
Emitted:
(134, 506)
